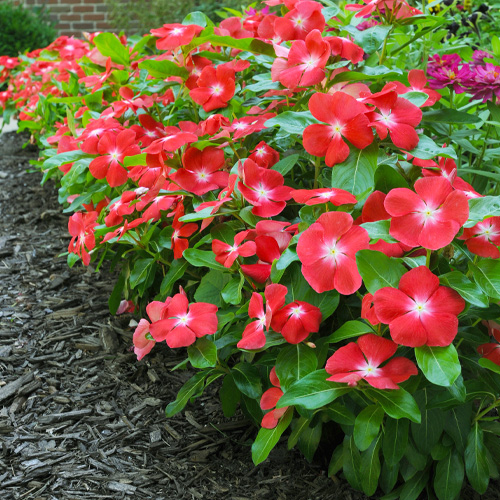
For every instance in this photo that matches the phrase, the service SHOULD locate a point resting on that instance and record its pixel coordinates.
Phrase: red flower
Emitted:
(113, 148)
(181, 232)
(484, 238)
(335, 196)
(368, 309)
(183, 323)
(171, 139)
(327, 252)
(81, 227)
(374, 210)
(264, 189)
(268, 251)
(201, 171)
(296, 321)
(253, 335)
(345, 117)
(301, 20)
(361, 360)
(264, 155)
(97, 81)
(143, 345)
(269, 400)
(304, 65)
(226, 254)
(215, 88)
(418, 82)
(431, 217)
(419, 312)
(397, 116)
(491, 350)
(121, 208)
(172, 36)
(346, 49)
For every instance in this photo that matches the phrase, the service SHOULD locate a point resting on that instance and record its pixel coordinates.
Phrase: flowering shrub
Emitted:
(316, 224)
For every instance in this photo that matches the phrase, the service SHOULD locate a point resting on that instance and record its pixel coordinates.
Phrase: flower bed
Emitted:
(314, 222)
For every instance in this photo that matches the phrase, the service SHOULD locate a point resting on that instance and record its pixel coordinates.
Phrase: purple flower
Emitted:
(477, 58)
(446, 71)
(485, 82)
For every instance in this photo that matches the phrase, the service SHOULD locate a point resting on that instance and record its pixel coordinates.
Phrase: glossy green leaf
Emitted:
(367, 426)
(447, 115)
(229, 396)
(203, 353)
(267, 439)
(202, 258)
(312, 391)
(247, 379)
(379, 230)
(449, 476)
(440, 365)
(109, 45)
(378, 270)
(292, 122)
(192, 388)
(395, 440)
(396, 403)
(293, 363)
(140, 271)
(370, 467)
(466, 288)
(348, 330)
(175, 272)
(286, 164)
(476, 464)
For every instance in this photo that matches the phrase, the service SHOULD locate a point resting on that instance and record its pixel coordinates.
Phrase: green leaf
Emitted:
(116, 294)
(229, 396)
(192, 388)
(351, 463)
(211, 286)
(395, 440)
(109, 45)
(489, 365)
(267, 439)
(428, 149)
(203, 353)
(479, 208)
(416, 97)
(396, 403)
(175, 272)
(440, 365)
(476, 464)
(356, 174)
(379, 230)
(312, 391)
(231, 293)
(466, 288)
(309, 440)
(247, 379)
(63, 158)
(202, 258)
(197, 18)
(371, 39)
(447, 115)
(163, 69)
(427, 433)
(140, 271)
(293, 363)
(487, 275)
(367, 426)
(286, 164)
(449, 476)
(135, 160)
(348, 330)
(458, 423)
(378, 270)
(413, 487)
(247, 44)
(370, 467)
(339, 413)
(292, 122)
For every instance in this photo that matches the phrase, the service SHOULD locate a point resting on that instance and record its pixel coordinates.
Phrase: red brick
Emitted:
(51, 2)
(103, 26)
(101, 8)
(83, 26)
(83, 8)
(63, 26)
(94, 17)
(70, 17)
(59, 9)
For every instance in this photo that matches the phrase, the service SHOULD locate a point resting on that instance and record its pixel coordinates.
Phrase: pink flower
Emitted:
(269, 400)
(296, 321)
(361, 360)
(81, 226)
(420, 311)
(327, 252)
(226, 254)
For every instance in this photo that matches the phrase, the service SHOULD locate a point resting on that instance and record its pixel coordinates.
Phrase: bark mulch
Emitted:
(80, 418)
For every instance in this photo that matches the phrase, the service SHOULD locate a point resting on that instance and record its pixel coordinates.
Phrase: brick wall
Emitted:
(75, 16)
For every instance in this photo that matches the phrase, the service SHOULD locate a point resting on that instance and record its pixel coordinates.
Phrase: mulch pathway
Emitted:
(80, 418)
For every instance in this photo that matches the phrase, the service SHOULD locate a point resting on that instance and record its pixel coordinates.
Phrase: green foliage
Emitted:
(23, 29)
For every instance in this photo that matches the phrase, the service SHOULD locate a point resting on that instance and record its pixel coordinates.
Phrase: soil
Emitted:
(80, 418)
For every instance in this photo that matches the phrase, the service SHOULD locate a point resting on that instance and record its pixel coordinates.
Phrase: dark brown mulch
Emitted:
(80, 418)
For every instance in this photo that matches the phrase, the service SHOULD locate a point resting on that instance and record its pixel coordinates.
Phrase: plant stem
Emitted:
(428, 258)
(483, 150)
(317, 168)
(487, 410)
